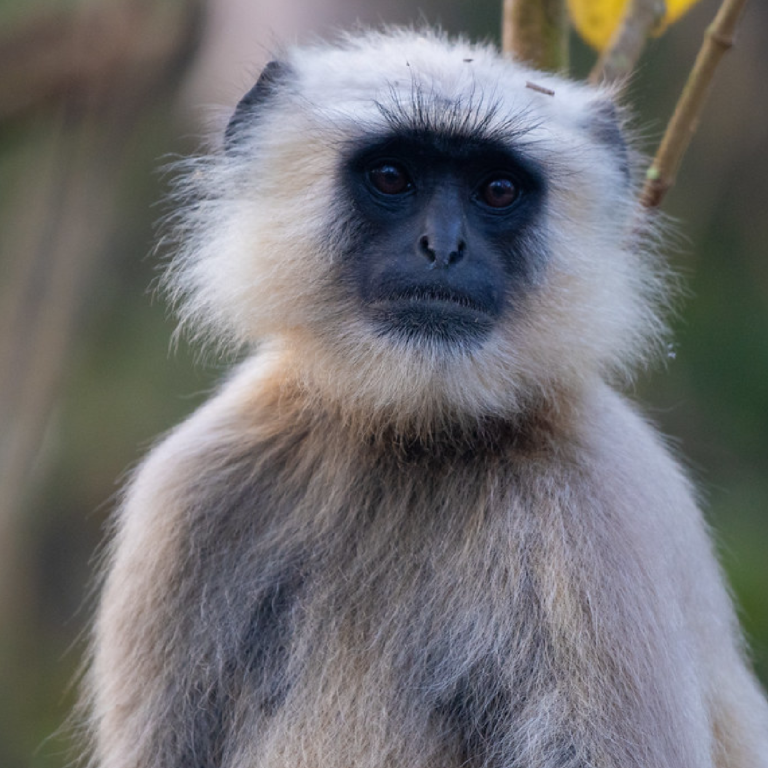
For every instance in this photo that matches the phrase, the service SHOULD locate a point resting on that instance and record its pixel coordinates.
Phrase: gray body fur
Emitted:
(364, 553)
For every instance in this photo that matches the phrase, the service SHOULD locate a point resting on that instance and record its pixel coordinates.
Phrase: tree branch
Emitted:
(91, 86)
(92, 54)
(717, 40)
(536, 33)
(618, 60)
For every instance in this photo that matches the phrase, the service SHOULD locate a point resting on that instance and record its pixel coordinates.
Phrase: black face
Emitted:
(440, 249)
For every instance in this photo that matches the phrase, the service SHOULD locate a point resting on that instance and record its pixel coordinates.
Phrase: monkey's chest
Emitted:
(428, 651)
(440, 623)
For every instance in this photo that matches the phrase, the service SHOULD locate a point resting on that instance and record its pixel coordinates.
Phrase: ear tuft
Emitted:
(267, 84)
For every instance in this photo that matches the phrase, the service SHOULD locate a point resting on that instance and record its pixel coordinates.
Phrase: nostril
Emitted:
(425, 248)
(458, 254)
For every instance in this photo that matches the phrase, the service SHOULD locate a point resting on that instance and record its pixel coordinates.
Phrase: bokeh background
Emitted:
(96, 98)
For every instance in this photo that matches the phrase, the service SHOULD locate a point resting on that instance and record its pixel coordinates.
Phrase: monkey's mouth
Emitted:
(433, 312)
(438, 296)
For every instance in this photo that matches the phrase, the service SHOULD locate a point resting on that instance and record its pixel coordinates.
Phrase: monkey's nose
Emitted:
(441, 252)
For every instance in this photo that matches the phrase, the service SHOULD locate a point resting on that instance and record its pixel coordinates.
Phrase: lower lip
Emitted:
(437, 318)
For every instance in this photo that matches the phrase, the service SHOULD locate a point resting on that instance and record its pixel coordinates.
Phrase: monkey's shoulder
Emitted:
(256, 454)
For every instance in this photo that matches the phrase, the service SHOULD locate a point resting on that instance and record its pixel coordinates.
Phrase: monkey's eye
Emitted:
(498, 192)
(390, 178)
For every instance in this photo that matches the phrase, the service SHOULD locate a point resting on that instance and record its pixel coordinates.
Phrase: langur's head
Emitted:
(420, 226)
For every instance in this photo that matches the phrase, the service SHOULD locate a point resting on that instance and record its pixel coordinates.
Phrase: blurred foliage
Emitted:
(124, 385)
(597, 20)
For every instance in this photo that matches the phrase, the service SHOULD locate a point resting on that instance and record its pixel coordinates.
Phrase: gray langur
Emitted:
(418, 526)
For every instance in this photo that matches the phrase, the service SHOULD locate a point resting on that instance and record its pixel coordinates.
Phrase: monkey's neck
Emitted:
(436, 432)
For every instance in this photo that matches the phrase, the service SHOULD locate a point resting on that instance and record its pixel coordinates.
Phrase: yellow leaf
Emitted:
(596, 20)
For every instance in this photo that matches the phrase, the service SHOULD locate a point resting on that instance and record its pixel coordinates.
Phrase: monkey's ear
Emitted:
(605, 126)
(267, 84)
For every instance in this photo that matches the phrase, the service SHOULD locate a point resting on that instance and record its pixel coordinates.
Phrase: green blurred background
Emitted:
(89, 376)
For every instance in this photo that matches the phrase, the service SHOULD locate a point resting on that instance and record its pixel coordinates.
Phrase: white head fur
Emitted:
(258, 255)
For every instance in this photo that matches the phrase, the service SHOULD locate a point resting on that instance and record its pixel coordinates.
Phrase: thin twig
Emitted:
(536, 32)
(618, 60)
(717, 40)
